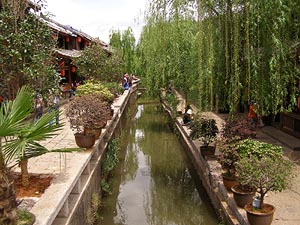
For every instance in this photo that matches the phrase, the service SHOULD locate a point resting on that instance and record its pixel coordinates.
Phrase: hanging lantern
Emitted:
(67, 39)
(86, 43)
(73, 69)
(62, 73)
(78, 39)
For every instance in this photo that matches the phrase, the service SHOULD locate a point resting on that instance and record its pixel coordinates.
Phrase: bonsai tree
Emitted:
(229, 155)
(205, 129)
(269, 172)
(237, 128)
(233, 132)
(88, 111)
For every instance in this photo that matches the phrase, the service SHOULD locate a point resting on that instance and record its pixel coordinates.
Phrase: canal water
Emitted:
(154, 183)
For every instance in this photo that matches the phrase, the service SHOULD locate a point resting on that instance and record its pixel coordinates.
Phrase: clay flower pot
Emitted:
(85, 140)
(229, 181)
(262, 216)
(241, 196)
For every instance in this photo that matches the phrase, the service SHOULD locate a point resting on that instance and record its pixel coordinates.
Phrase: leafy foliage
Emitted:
(204, 128)
(99, 64)
(111, 159)
(26, 52)
(172, 102)
(123, 44)
(250, 147)
(87, 111)
(224, 53)
(260, 173)
(96, 88)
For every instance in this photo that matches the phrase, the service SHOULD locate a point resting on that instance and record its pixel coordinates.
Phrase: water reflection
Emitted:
(153, 184)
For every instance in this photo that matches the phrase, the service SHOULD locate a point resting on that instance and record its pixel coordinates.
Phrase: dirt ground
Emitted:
(37, 186)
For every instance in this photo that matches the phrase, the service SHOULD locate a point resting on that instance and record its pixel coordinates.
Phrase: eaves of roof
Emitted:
(68, 53)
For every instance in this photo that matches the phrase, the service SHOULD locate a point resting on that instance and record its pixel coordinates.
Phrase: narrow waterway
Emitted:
(154, 182)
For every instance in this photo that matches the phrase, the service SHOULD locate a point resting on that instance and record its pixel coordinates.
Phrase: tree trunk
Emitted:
(8, 203)
(24, 172)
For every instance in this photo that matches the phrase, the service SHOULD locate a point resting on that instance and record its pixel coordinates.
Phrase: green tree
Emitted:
(19, 141)
(26, 51)
(123, 44)
(224, 52)
(98, 63)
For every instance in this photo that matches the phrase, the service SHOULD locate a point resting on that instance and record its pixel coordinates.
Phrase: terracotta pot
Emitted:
(85, 140)
(95, 131)
(207, 150)
(260, 217)
(229, 181)
(242, 197)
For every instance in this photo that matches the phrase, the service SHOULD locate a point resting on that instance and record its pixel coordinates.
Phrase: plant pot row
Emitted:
(244, 198)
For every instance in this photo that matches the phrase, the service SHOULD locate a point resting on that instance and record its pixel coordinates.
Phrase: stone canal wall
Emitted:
(90, 180)
(68, 199)
(209, 172)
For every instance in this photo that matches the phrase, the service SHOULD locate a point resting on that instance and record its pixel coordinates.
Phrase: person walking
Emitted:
(38, 107)
(252, 116)
(55, 107)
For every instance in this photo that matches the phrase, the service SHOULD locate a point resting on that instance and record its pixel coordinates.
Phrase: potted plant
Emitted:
(228, 158)
(242, 194)
(233, 132)
(86, 113)
(207, 130)
(235, 149)
(95, 88)
(259, 172)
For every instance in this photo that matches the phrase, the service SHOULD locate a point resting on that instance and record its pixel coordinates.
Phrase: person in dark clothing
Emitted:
(188, 115)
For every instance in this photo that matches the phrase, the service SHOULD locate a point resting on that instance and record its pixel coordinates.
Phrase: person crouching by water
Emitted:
(188, 115)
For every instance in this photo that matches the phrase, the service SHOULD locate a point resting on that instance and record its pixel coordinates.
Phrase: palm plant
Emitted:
(19, 137)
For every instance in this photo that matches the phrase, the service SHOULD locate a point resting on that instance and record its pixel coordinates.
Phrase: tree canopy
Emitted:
(222, 54)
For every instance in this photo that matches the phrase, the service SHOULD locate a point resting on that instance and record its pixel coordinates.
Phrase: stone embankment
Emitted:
(287, 203)
(77, 175)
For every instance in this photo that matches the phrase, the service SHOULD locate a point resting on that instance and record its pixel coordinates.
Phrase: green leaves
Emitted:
(25, 53)
(96, 63)
(228, 56)
(265, 173)
(250, 147)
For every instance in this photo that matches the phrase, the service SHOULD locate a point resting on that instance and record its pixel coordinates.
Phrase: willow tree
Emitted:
(167, 45)
(123, 44)
(242, 50)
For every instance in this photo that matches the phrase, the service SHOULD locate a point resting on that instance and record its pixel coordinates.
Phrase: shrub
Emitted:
(205, 129)
(88, 111)
(95, 88)
(264, 173)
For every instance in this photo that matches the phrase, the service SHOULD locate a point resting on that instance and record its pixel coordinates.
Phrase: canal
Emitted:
(154, 182)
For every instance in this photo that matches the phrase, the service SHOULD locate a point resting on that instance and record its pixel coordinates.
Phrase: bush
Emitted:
(237, 127)
(95, 88)
(205, 129)
(250, 147)
(115, 88)
(264, 173)
(87, 111)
